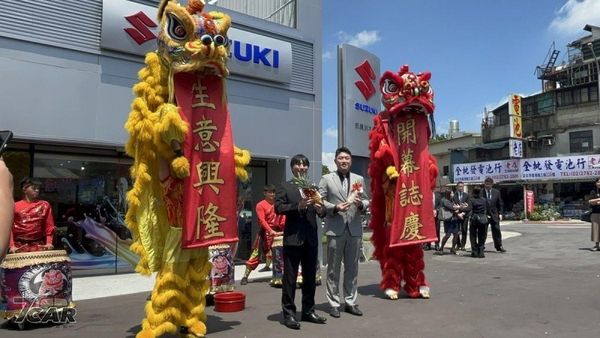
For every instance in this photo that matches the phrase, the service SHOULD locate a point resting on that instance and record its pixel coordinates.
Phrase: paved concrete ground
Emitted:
(547, 284)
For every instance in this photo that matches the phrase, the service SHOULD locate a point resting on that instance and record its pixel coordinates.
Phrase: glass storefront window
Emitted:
(19, 164)
(87, 195)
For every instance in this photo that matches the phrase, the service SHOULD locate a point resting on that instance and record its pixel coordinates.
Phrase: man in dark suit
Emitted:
(495, 207)
(300, 245)
(462, 199)
(437, 204)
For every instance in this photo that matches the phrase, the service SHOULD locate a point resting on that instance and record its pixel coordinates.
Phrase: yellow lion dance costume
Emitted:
(190, 41)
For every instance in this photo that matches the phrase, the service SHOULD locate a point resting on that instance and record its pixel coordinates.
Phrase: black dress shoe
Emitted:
(501, 249)
(334, 312)
(291, 323)
(313, 318)
(481, 255)
(353, 310)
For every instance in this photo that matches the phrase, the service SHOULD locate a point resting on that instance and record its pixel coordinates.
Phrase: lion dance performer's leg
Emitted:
(413, 266)
(179, 295)
(178, 298)
(391, 270)
(382, 190)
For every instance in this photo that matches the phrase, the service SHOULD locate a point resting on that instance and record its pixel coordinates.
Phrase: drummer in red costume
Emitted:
(271, 225)
(33, 228)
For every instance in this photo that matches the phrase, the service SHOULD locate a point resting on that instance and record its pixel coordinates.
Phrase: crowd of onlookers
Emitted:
(463, 214)
(469, 215)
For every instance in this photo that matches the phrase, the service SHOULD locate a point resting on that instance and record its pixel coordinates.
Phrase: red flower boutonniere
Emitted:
(355, 192)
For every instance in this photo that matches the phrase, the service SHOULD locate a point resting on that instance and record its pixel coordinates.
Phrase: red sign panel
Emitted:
(210, 192)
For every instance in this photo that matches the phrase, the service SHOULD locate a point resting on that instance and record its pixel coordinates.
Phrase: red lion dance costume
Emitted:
(403, 174)
(184, 192)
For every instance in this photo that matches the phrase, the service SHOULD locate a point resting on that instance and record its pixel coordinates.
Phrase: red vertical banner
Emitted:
(210, 192)
(530, 201)
(413, 221)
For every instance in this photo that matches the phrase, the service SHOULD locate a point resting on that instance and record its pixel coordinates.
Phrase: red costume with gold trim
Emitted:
(33, 226)
(269, 222)
(403, 174)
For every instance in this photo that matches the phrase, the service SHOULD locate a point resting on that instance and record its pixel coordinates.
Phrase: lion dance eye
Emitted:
(175, 28)
(390, 87)
(220, 40)
(206, 39)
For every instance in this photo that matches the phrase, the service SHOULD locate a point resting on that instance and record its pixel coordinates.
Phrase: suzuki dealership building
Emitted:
(67, 69)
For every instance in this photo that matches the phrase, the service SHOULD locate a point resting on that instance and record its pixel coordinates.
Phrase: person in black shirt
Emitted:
(479, 223)
(495, 208)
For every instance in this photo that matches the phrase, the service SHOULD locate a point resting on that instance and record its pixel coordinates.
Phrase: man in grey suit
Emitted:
(344, 201)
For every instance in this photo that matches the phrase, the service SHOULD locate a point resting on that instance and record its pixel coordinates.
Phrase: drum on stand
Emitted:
(39, 279)
(222, 274)
(277, 259)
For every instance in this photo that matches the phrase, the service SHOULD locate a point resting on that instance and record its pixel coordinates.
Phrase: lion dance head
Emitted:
(192, 40)
(405, 92)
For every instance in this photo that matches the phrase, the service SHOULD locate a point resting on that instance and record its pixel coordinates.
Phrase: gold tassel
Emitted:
(392, 173)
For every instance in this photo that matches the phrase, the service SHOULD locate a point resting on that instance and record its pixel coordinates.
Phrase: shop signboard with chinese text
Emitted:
(515, 148)
(514, 115)
(530, 201)
(564, 167)
(530, 169)
(505, 170)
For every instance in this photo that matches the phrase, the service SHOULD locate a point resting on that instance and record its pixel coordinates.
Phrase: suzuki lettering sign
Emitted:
(359, 98)
(131, 28)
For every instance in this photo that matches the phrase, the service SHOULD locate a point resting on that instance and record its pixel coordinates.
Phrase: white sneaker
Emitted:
(391, 294)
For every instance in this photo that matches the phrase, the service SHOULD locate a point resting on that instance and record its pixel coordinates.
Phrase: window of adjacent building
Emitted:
(583, 95)
(545, 103)
(502, 116)
(577, 96)
(564, 98)
(593, 94)
(581, 141)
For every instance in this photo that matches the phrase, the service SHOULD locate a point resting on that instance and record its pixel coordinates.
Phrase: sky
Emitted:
(478, 51)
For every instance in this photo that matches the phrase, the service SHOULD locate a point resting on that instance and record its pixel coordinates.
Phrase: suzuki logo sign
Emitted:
(367, 74)
(360, 97)
(252, 55)
(141, 33)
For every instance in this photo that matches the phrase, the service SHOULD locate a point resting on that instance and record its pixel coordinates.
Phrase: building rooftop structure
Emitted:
(580, 66)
